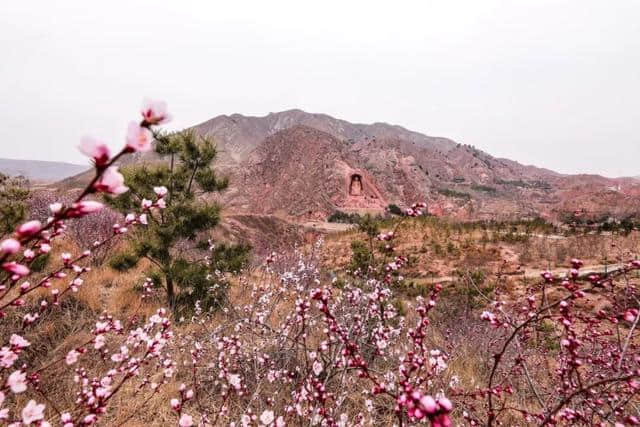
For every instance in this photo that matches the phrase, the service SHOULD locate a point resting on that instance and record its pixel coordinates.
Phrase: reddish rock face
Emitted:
(304, 166)
(292, 163)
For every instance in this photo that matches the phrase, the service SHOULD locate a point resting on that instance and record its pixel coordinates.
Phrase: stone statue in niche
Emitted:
(355, 188)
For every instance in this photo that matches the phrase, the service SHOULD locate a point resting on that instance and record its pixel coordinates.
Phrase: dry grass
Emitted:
(427, 243)
(437, 248)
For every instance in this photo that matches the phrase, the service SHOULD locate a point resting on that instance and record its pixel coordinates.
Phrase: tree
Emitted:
(13, 209)
(395, 209)
(175, 236)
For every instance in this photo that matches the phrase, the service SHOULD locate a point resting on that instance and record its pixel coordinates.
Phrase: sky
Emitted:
(550, 83)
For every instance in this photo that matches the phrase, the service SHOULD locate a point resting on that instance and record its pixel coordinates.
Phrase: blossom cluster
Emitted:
(270, 367)
(594, 374)
(129, 351)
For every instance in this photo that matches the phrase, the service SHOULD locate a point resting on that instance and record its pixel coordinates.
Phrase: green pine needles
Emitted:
(191, 268)
(13, 197)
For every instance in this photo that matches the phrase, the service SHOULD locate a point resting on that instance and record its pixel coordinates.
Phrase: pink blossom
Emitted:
(576, 263)
(112, 182)
(55, 207)
(146, 204)
(72, 357)
(85, 207)
(9, 246)
(29, 228)
(317, 367)
(30, 318)
(630, 315)
(7, 357)
(267, 417)
(487, 315)
(428, 404)
(17, 382)
(18, 342)
(143, 219)
(99, 342)
(155, 112)
(185, 421)
(175, 404)
(160, 191)
(632, 420)
(445, 404)
(95, 149)
(16, 269)
(102, 327)
(32, 412)
(234, 380)
(138, 138)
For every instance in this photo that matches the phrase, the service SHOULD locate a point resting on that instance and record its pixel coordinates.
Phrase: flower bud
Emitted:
(29, 228)
(9, 246)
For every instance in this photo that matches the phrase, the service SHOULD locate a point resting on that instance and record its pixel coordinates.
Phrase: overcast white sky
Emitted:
(552, 83)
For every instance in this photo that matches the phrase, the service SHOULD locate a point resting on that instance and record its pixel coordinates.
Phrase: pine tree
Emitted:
(190, 267)
(13, 196)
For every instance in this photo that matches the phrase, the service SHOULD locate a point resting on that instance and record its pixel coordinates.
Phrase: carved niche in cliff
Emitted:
(355, 185)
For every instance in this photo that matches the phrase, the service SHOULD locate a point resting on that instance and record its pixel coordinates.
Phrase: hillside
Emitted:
(305, 166)
(238, 135)
(40, 171)
(302, 173)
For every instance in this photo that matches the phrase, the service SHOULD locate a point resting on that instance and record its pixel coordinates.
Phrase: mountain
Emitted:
(303, 166)
(239, 135)
(40, 171)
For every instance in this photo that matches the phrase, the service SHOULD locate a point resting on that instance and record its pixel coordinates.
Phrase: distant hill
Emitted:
(40, 171)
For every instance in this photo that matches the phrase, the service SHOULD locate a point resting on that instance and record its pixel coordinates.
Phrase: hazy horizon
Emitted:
(555, 84)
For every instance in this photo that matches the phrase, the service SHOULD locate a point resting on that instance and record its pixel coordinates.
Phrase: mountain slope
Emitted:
(238, 135)
(300, 165)
(299, 171)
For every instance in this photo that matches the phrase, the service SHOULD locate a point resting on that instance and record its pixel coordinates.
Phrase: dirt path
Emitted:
(530, 273)
(327, 227)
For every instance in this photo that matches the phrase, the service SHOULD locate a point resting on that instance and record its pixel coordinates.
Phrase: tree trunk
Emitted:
(170, 292)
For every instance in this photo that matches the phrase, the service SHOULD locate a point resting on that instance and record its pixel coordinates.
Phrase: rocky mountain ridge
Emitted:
(300, 165)
(303, 166)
